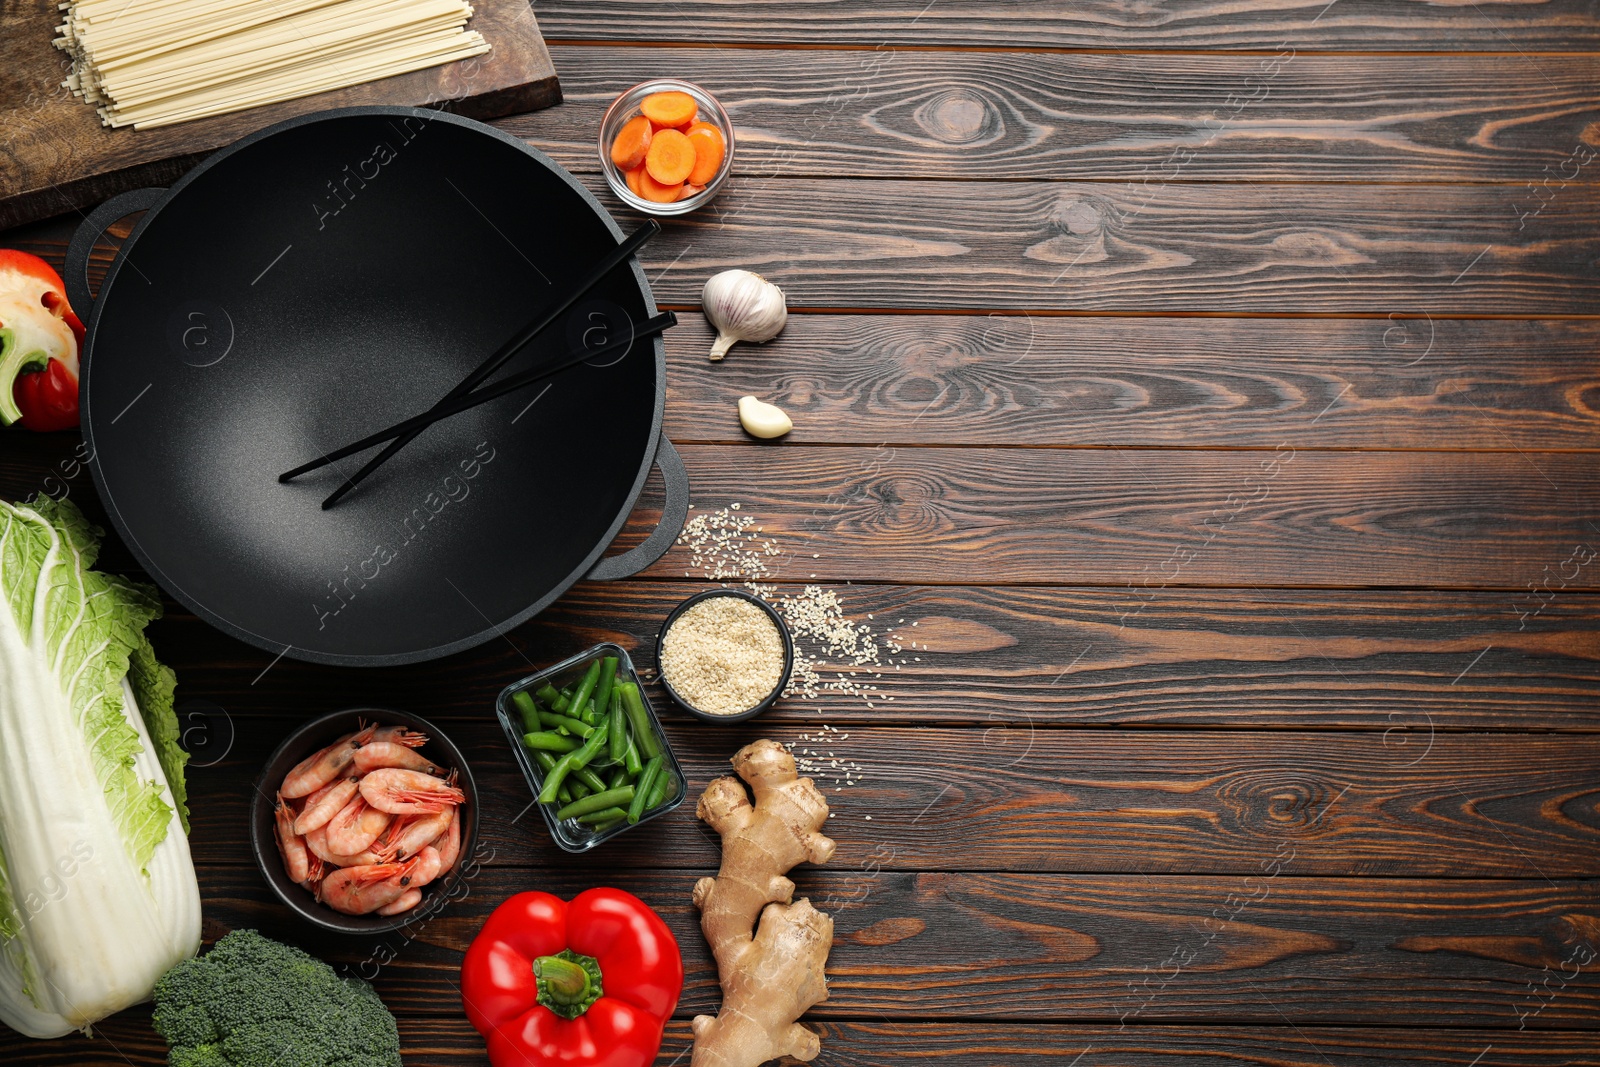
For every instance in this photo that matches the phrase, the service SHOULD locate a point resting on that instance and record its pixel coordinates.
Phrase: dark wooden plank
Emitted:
(1146, 521)
(1349, 25)
(1131, 118)
(1260, 950)
(126, 1040)
(1174, 247)
(58, 156)
(1394, 662)
(1132, 382)
(1090, 247)
(1029, 798)
(1142, 521)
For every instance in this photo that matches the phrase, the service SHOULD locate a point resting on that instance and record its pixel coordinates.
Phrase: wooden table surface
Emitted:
(1212, 389)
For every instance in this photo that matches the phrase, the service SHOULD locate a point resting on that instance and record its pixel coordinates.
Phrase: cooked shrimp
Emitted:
(404, 903)
(412, 832)
(325, 803)
(449, 843)
(317, 843)
(399, 735)
(375, 755)
(364, 889)
(403, 792)
(315, 869)
(356, 827)
(427, 867)
(323, 766)
(296, 862)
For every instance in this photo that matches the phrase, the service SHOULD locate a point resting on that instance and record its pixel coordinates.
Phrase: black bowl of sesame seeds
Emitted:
(724, 655)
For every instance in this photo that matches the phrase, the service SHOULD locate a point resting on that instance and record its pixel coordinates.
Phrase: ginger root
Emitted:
(771, 978)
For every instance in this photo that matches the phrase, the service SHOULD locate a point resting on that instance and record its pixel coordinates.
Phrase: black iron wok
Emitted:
(325, 278)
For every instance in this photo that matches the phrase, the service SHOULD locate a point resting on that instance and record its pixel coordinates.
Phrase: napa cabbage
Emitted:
(97, 890)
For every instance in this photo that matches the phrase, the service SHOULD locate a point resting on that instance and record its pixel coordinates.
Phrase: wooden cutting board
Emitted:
(55, 155)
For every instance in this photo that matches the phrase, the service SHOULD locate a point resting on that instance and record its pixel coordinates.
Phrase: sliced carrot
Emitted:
(690, 189)
(709, 148)
(670, 158)
(633, 177)
(658, 192)
(631, 143)
(669, 109)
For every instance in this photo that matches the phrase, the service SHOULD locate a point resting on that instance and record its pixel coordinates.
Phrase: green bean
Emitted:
(602, 688)
(528, 709)
(619, 736)
(548, 693)
(571, 762)
(565, 722)
(549, 741)
(642, 731)
(609, 816)
(548, 762)
(631, 760)
(585, 688)
(597, 802)
(576, 788)
(602, 827)
(647, 781)
(664, 789)
(556, 780)
(591, 748)
(589, 715)
(595, 783)
(561, 703)
(618, 776)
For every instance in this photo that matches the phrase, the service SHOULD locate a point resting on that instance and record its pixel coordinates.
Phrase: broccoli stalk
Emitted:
(252, 1002)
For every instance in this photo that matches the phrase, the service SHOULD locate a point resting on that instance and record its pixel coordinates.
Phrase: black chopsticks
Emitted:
(494, 362)
(454, 406)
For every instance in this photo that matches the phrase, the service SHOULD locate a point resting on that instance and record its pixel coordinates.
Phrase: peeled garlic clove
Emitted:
(761, 419)
(742, 306)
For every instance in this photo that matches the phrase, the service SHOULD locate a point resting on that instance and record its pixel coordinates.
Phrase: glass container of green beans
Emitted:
(591, 747)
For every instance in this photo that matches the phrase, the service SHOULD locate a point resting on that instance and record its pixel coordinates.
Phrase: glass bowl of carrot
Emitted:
(666, 146)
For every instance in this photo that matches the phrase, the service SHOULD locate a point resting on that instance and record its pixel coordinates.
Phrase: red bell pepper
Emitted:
(583, 984)
(39, 339)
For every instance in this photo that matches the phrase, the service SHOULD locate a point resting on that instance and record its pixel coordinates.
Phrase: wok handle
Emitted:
(673, 514)
(89, 231)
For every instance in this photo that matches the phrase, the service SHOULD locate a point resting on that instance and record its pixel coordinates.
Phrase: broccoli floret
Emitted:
(252, 1002)
(198, 1056)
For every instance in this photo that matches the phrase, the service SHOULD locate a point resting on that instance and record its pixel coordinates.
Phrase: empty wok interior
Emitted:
(327, 281)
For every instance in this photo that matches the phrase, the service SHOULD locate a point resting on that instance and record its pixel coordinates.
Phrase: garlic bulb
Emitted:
(742, 306)
(761, 419)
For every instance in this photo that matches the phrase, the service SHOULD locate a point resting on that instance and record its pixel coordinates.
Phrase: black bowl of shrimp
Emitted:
(364, 820)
